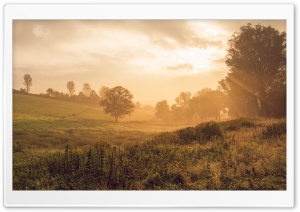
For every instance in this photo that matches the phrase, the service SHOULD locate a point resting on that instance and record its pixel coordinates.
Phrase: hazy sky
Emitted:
(154, 60)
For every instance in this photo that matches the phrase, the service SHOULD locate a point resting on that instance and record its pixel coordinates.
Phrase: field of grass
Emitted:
(67, 146)
(43, 125)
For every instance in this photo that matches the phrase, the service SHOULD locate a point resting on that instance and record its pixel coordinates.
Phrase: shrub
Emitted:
(273, 130)
(165, 138)
(237, 124)
(207, 131)
(187, 134)
(154, 182)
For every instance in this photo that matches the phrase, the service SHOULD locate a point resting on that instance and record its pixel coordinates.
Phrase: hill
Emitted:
(42, 125)
(240, 154)
(50, 113)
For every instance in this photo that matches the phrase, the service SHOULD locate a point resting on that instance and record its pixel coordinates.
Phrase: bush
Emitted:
(207, 131)
(273, 130)
(187, 134)
(237, 124)
(166, 138)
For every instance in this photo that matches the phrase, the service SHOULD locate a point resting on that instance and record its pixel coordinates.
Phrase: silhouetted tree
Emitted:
(177, 113)
(183, 99)
(255, 84)
(81, 96)
(207, 104)
(94, 96)
(27, 82)
(86, 89)
(22, 90)
(102, 92)
(58, 94)
(118, 102)
(71, 88)
(50, 92)
(183, 107)
(162, 110)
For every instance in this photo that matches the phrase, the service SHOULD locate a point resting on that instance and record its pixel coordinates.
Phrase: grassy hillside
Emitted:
(59, 145)
(43, 125)
(33, 112)
(239, 154)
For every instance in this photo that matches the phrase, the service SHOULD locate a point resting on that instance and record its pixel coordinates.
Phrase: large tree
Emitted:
(257, 71)
(27, 82)
(71, 87)
(118, 102)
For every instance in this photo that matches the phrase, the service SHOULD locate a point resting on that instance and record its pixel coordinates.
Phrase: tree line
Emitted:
(116, 101)
(254, 86)
(85, 95)
(202, 106)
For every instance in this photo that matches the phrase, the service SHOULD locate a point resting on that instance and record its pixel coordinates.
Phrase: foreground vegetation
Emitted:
(241, 154)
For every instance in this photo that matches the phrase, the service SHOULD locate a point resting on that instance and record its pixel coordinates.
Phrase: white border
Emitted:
(146, 198)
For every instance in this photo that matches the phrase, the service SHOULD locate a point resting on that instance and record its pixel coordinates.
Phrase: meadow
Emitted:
(59, 145)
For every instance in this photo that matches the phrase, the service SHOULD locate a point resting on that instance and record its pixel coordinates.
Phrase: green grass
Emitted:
(54, 150)
(42, 125)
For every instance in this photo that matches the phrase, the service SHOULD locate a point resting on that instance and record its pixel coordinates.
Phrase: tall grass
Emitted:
(209, 156)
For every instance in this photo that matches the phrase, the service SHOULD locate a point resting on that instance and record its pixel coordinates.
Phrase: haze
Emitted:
(154, 59)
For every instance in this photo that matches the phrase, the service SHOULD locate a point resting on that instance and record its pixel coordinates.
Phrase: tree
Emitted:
(71, 87)
(86, 89)
(102, 92)
(183, 99)
(177, 113)
(22, 90)
(118, 102)
(257, 70)
(50, 92)
(207, 104)
(94, 96)
(27, 82)
(81, 96)
(183, 107)
(162, 110)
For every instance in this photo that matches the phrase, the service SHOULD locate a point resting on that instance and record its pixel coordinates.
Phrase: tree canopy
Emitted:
(255, 84)
(118, 102)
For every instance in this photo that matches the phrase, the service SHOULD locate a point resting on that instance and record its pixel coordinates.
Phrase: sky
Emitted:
(154, 59)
